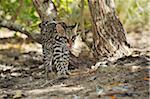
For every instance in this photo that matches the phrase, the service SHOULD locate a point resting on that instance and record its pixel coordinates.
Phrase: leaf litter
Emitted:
(22, 75)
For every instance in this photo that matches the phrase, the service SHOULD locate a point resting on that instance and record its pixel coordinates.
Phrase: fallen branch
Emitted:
(15, 27)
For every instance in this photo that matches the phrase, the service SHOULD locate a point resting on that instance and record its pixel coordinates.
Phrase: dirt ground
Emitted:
(23, 77)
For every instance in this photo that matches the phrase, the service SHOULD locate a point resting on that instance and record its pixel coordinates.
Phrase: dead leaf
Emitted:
(113, 97)
(146, 79)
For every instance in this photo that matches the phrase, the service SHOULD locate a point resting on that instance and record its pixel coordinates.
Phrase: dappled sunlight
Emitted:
(20, 42)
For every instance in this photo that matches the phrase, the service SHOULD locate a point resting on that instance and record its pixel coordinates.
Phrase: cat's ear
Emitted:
(75, 28)
(63, 24)
(60, 29)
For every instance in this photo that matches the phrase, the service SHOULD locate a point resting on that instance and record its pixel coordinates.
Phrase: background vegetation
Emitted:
(134, 14)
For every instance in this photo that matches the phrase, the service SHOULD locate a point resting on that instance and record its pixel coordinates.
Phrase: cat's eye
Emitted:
(74, 37)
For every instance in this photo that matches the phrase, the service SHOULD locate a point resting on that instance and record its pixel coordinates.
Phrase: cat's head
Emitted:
(70, 32)
(49, 29)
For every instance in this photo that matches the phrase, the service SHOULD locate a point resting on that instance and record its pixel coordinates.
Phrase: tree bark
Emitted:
(110, 41)
(46, 9)
(82, 19)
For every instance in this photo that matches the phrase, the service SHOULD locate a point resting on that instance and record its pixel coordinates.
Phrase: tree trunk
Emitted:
(46, 9)
(109, 35)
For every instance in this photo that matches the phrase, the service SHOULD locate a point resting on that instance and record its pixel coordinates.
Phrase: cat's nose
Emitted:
(69, 44)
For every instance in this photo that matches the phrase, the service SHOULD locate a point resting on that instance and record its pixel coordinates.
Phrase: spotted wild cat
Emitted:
(57, 40)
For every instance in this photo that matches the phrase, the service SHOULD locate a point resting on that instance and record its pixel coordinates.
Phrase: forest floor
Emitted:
(22, 75)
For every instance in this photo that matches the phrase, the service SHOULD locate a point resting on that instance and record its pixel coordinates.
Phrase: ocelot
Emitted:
(57, 39)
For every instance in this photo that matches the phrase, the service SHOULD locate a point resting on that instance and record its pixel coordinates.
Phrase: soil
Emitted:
(22, 75)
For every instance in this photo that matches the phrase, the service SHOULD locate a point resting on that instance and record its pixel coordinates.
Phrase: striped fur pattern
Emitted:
(47, 32)
(60, 56)
(55, 50)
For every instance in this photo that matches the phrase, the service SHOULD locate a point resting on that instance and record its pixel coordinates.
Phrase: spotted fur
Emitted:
(55, 40)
